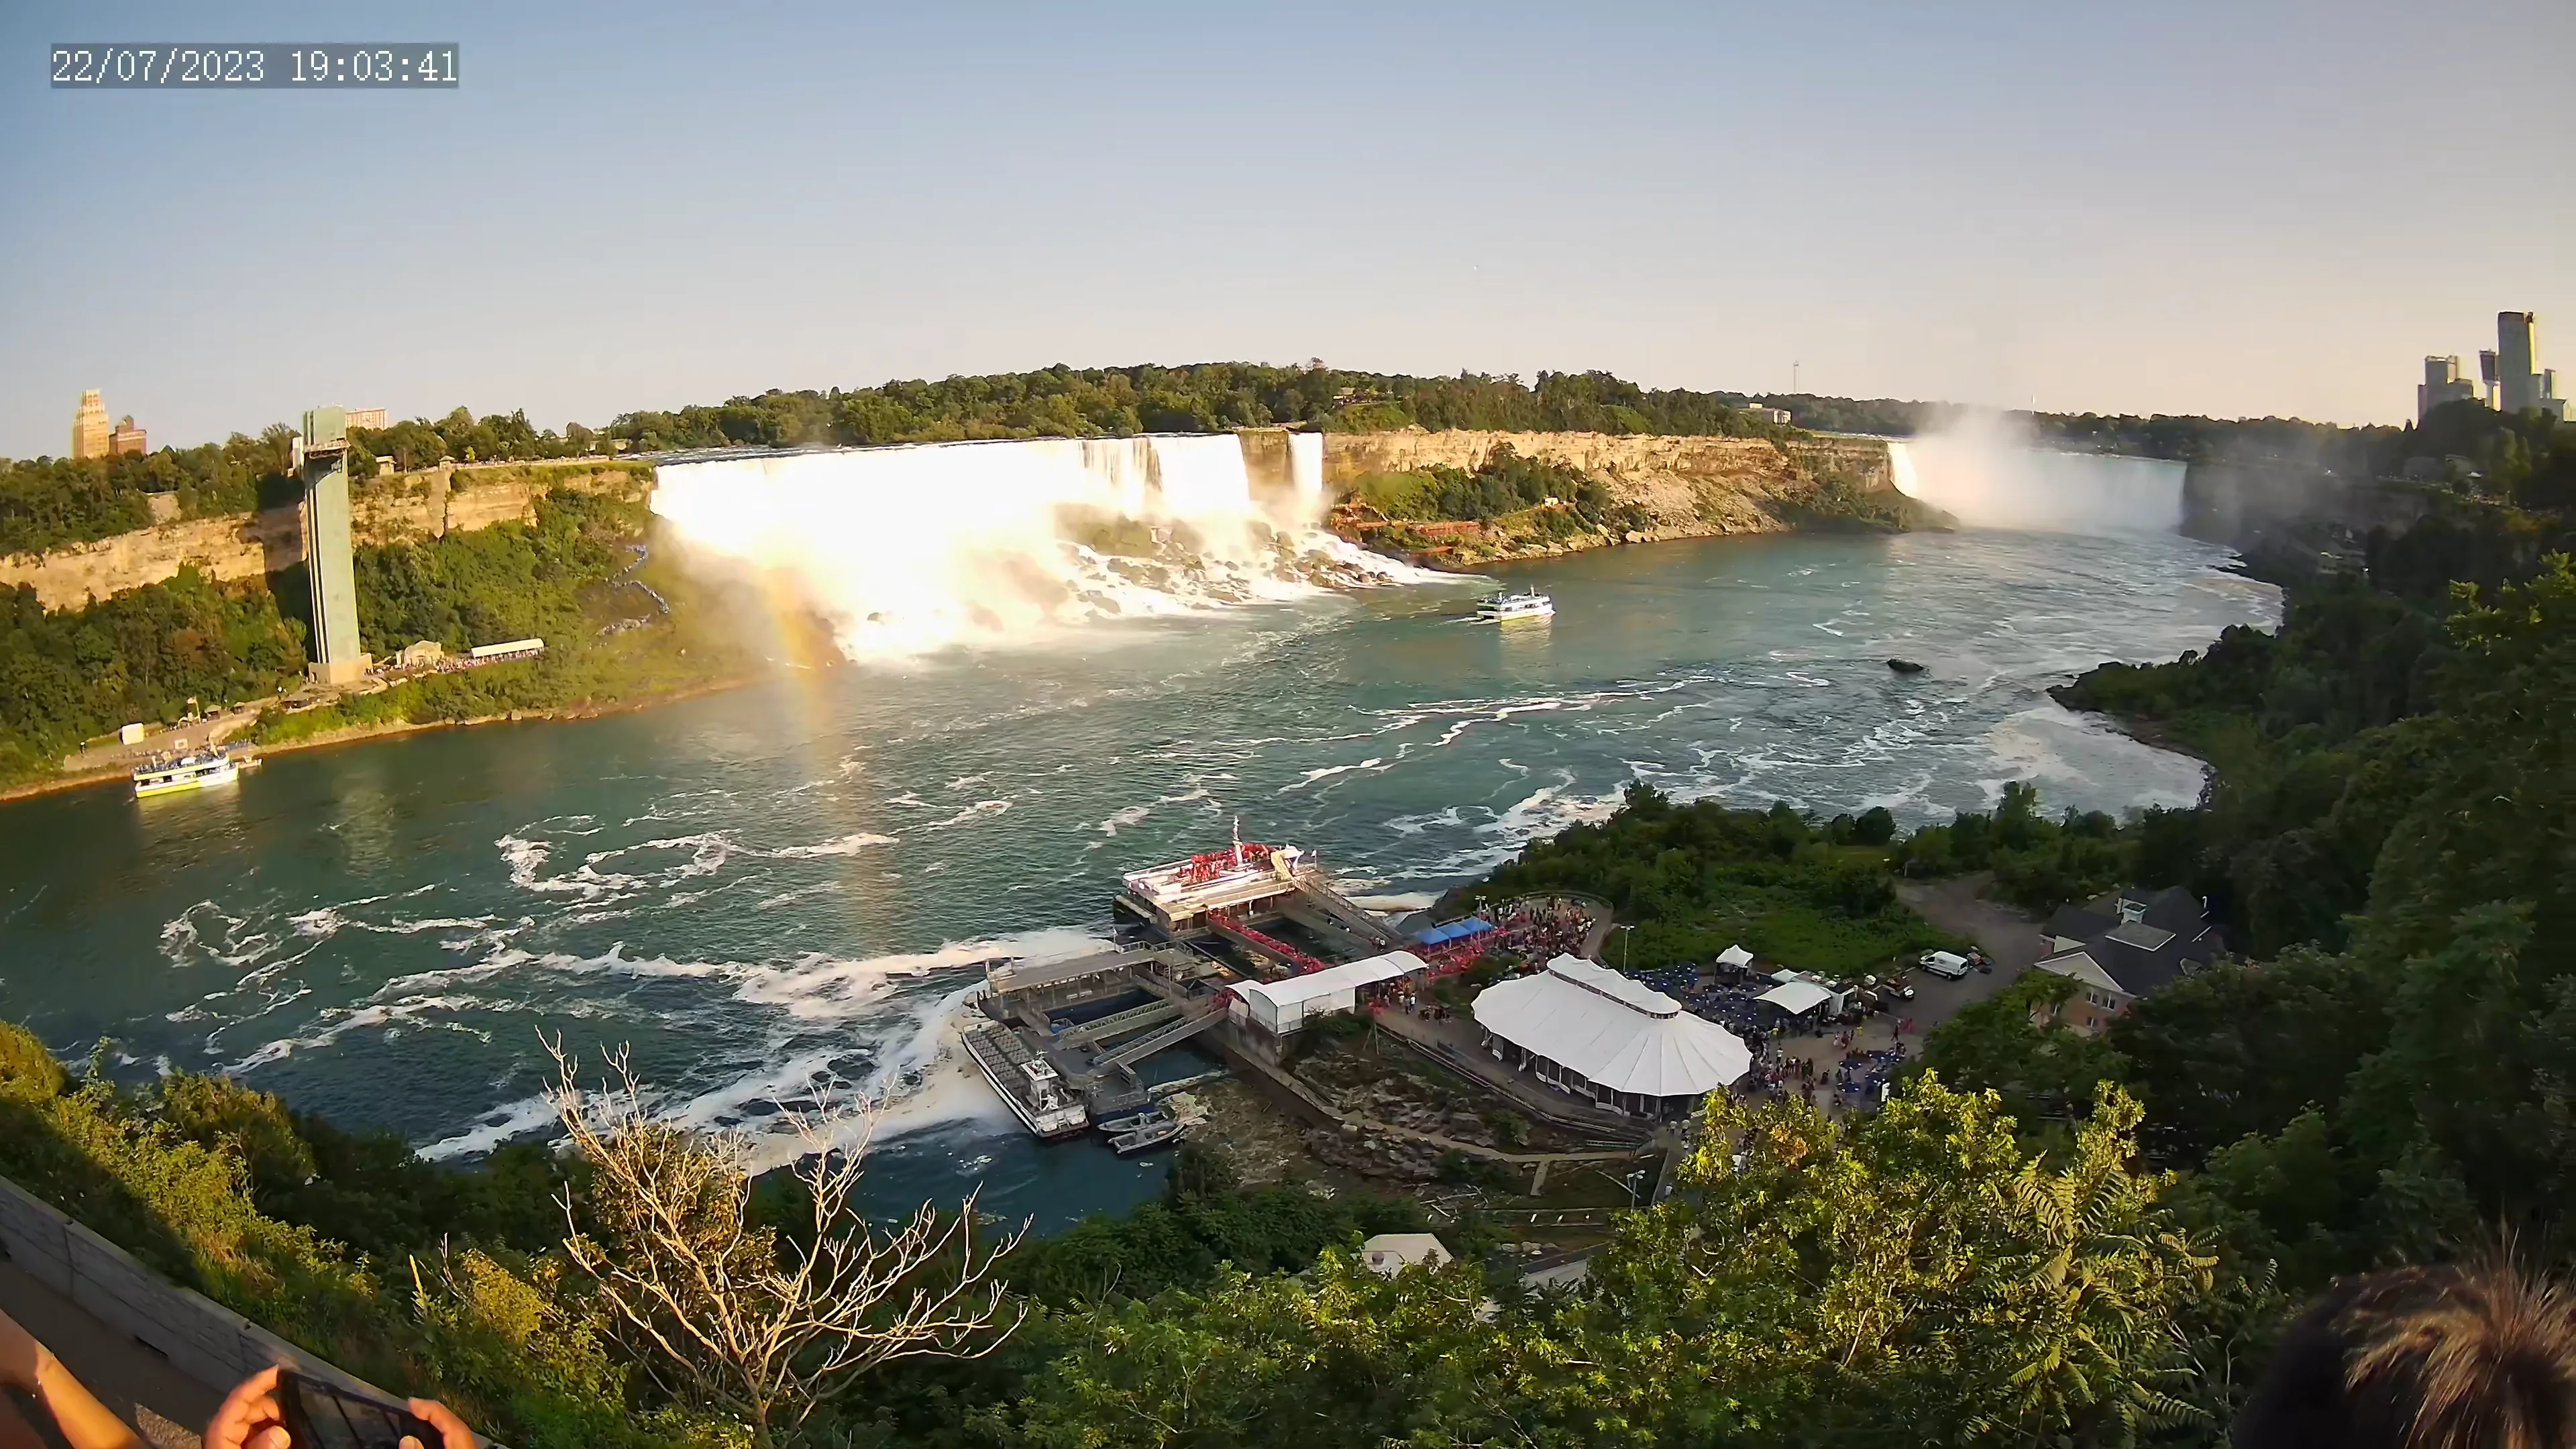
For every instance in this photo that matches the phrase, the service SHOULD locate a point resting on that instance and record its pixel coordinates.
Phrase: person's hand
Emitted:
(451, 1429)
(249, 1418)
(21, 1357)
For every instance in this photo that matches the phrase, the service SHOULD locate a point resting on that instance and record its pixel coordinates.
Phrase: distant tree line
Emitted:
(49, 502)
(1063, 401)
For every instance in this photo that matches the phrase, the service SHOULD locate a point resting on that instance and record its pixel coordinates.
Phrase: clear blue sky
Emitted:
(2234, 208)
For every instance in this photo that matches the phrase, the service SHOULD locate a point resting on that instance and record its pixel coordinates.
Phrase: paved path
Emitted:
(164, 1406)
(2009, 937)
(1452, 1043)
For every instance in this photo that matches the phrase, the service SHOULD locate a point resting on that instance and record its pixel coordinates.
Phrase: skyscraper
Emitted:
(2520, 381)
(2516, 388)
(89, 427)
(2442, 384)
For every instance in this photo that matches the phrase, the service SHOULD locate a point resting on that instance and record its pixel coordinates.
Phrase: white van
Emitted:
(1945, 963)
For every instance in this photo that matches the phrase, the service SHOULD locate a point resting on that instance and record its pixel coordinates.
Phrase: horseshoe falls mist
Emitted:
(1073, 659)
(1988, 475)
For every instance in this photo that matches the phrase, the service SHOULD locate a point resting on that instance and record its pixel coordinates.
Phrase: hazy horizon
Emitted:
(2268, 210)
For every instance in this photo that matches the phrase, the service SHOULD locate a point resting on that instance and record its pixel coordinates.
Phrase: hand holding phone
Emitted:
(282, 1409)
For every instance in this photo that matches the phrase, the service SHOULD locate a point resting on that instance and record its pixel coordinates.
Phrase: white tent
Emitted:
(1796, 997)
(1612, 1033)
(1734, 956)
(1280, 1007)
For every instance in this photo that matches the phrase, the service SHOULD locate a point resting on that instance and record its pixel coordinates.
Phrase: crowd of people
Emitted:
(1538, 929)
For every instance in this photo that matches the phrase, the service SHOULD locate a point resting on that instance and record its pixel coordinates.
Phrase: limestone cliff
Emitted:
(430, 503)
(2285, 517)
(1689, 486)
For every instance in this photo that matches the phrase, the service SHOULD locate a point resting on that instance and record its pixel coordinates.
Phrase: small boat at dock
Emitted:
(1120, 1126)
(1165, 1133)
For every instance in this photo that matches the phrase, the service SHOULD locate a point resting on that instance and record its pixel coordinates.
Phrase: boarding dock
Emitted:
(1195, 934)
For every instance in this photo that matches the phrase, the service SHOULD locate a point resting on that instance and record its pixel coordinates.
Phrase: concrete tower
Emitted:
(337, 657)
(2517, 382)
(89, 427)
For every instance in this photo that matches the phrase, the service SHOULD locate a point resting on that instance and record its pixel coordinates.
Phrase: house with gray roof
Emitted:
(2124, 946)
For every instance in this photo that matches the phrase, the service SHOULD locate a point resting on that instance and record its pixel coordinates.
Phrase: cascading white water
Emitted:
(1988, 477)
(907, 550)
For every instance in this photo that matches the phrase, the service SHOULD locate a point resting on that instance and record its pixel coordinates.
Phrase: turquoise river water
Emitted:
(778, 885)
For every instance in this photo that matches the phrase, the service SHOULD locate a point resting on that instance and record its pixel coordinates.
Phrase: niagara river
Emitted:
(788, 883)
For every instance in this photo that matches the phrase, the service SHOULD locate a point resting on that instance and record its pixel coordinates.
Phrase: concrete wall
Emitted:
(1688, 485)
(200, 1337)
(427, 504)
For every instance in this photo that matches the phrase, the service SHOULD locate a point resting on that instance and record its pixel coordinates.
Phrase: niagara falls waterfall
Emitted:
(1989, 473)
(914, 549)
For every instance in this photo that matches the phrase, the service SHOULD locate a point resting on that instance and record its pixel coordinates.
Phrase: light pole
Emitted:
(1627, 934)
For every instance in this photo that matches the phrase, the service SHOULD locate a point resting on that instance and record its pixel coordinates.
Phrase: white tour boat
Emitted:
(1504, 608)
(202, 770)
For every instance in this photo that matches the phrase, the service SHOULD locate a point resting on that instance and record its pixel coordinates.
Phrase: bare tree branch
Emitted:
(765, 1326)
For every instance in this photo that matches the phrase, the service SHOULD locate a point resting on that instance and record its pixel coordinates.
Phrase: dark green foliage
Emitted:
(198, 1179)
(509, 581)
(2394, 791)
(1206, 397)
(50, 502)
(47, 503)
(2038, 863)
(69, 676)
(1553, 500)
(1201, 1223)
(54, 501)
(1694, 879)
(2045, 1074)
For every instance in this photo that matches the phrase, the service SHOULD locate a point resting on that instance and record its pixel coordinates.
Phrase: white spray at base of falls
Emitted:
(1986, 473)
(908, 550)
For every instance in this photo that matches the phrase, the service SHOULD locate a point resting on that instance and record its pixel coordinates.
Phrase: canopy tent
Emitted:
(1614, 1033)
(1796, 997)
(1280, 1007)
(1454, 931)
(1734, 956)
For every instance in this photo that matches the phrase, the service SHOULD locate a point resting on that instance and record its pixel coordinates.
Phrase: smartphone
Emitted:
(324, 1416)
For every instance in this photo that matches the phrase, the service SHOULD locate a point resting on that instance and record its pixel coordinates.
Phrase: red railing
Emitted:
(1228, 926)
(1452, 957)
(1200, 869)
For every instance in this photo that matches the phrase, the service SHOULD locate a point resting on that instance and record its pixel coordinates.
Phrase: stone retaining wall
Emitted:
(200, 1337)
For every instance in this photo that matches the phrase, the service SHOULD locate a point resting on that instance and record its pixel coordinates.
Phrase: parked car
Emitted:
(1946, 964)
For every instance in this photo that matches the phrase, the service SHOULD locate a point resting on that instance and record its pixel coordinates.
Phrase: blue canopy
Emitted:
(1454, 931)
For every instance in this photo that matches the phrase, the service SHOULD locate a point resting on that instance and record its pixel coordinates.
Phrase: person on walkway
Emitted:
(30, 1368)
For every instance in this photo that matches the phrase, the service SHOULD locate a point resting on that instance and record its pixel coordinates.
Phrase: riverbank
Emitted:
(390, 729)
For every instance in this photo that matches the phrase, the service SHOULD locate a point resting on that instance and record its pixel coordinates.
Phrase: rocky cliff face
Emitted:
(1692, 487)
(2283, 517)
(430, 503)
